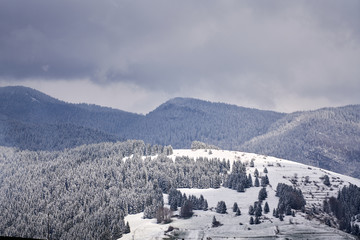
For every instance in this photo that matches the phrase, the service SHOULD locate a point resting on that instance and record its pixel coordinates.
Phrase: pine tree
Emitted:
(251, 210)
(257, 184)
(257, 209)
(205, 206)
(288, 210)
(252, 163)
(326, 180)
(262, 194)
(238, 212)
(251, 221)
(256, 173)
(235, 207)
(127, 228)
(250, 182)
(264, 181)
(265, 170)
(240, 187)
(116, 233)
(215, 223)
(257, 220)
(186, 210)
(266, 208)
(326, 206)
(221, 207)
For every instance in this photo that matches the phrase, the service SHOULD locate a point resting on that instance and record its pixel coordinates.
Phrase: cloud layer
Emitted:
(282, 55)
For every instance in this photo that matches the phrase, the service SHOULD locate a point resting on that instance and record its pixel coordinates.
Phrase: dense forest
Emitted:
(346, 208)
(85, 192)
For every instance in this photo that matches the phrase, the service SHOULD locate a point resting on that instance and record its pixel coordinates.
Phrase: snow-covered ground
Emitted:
(238, 227)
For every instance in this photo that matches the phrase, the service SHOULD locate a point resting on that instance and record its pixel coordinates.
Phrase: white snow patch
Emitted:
(279, 171)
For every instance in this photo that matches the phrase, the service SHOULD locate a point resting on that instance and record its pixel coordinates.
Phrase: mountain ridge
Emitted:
(327, 137)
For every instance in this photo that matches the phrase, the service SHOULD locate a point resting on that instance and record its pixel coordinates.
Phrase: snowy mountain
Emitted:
(328, 138)
(306, 224)
(127, 190)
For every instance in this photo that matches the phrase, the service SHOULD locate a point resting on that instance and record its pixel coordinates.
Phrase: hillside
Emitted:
(180, 121)
(101, 191)
(32, 120)
(327, 138)
(304, 225)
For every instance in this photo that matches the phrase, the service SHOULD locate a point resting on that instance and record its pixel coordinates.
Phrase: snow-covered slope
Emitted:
(237, 227)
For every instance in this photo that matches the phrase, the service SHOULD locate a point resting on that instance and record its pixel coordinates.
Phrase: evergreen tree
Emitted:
(276, 213)
(326, 206)
(250, 182)
(251, 221)
(215, 223)
(205, 206)
(262, 194)
(265, 170)
(257, 184)
(252, 163)
(251, 210)
(264, 181)
(201, 202)
(256, 173)
(186, 210)
(238, 212)
(221, 207)
(116, 233)
(327, 180)
(257, 209)
(288, 210)
(127, 228)
(173, 205)
(289, 196)
(235, 207)
(257, 220)
(266, 208)
(240, 187)
(174, 199)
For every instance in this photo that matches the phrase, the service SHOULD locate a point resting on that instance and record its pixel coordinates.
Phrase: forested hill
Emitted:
(180, 121)
(27, 117)
(32, 120)
(329, 137)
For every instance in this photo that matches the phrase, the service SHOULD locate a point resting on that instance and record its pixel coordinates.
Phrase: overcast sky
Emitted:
(134, 55)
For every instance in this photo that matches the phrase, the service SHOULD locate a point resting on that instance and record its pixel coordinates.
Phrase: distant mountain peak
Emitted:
(25, 94)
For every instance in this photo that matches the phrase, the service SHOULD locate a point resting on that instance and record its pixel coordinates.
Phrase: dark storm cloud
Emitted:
(241, 51)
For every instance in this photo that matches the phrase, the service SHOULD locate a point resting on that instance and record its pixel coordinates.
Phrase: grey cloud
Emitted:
(305, 47)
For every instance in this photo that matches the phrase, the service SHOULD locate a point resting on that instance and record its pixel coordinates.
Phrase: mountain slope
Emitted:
(304, 225)
(49, 136)
(328, 138)
(180, 121)
(32, 120)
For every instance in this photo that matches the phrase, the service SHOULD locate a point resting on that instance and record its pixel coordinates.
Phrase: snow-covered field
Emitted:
(238, 227)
